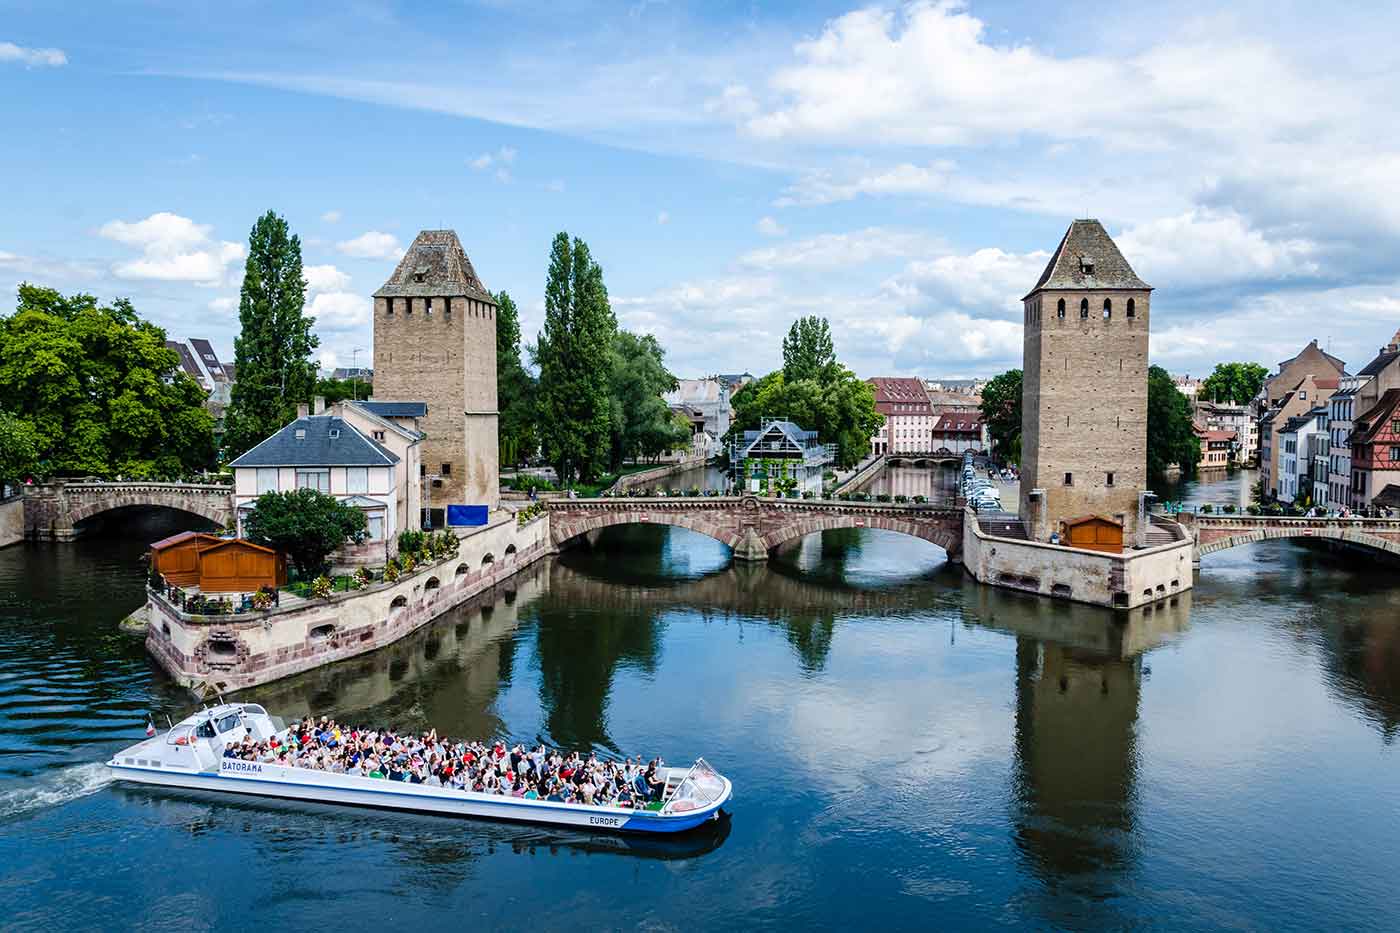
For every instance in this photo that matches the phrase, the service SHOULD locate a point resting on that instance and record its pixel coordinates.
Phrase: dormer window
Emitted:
(335, 433)
(420, 274)
(301, 434)
(1086, 265)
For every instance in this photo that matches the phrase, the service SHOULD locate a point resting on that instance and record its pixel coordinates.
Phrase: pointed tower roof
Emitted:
(435, 265)
(1087, 258)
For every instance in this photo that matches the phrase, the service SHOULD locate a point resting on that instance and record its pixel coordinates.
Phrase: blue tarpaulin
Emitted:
(458, 515)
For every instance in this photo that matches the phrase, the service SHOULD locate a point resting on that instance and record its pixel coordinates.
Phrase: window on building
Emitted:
(1395, 426)
(1108, 479)
(427, 306)
(375, 523)
(378, 435)
(267, 479)
(1395, 453)
(446, 469)
(422, 469)
(388, 307)
(1084, 309)
(407, 306)
(1069, 479)
(1060, 310)
(314, 479)
(301, 434)
(1132, 308)
(1107, 308)
(356, 479)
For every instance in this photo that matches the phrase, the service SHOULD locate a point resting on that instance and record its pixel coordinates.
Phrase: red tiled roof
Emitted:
(965, 421)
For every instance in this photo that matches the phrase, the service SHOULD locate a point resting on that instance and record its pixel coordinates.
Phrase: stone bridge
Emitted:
(1218, 532)
(752, 526)
(54, 511)
(929, 457)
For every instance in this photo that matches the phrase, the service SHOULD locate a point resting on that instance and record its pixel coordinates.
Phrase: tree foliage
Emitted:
(515, 387)
(306, 524)
(338, 390)
(1001, 412)
(98, 390)
(19, 448)
(808, 351)
(1233, 382)
(574, 356)
(1170, 438)
(830, 401)
(643, 425)
(272, 354)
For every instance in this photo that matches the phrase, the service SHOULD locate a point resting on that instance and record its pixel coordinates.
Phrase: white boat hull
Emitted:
(269, 780)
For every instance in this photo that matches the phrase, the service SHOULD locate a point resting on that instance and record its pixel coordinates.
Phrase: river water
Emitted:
(908, 750)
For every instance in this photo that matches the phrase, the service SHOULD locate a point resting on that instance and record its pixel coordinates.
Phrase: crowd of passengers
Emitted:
(538, 774)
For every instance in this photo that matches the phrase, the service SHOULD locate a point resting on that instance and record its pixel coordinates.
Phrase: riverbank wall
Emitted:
(863, 474)
(11, 521)
(648, 478)
(1118, 581)
(227, 653)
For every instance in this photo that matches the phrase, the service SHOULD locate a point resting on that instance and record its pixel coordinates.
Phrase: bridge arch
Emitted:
(89, 510)
(950, 540)
(1210, 543)
(564, 530)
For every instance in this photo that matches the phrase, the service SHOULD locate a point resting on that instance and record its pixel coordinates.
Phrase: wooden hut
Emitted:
(177, 557)
(1094, 533)
(239, 566)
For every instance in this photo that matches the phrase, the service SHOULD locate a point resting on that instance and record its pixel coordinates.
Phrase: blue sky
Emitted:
(902, 169)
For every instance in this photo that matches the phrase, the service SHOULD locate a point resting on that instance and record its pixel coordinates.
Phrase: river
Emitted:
(908, 750)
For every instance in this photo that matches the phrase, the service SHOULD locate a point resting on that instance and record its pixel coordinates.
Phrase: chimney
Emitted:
(302, 410)
(319, 404)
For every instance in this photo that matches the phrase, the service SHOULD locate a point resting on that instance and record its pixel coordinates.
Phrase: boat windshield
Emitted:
(702, 786)
(253, 709)
(231, 721)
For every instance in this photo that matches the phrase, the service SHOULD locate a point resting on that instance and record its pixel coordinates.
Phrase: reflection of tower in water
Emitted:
(1077, 756)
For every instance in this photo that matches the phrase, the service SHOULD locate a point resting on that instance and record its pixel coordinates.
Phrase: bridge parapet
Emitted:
(52, 511)
(1216, 533)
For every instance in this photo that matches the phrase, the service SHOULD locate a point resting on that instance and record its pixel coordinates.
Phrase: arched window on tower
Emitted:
(1107, 308)
(1084, 309)
(1060, 310)
(388, 307)
(1132, 309)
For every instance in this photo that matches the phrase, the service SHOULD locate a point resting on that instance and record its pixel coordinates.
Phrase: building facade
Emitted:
(1084, 390)
(1222, 416)
(1217, 449)
(909, 416)
(1341, 411)
(435, 342)
(781, 458)
(707, 397)
(1310, 392)
(960, 432)
(1375, 450)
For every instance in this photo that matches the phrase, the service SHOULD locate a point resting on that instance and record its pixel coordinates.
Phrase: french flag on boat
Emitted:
(150, 727)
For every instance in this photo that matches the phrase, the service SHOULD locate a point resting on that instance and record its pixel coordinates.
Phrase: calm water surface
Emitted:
(908, 750)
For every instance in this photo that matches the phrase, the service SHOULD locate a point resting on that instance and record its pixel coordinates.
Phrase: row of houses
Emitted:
(1328, 438)
(924, 420)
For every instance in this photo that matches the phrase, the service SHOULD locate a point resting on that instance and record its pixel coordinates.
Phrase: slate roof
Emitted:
(1387, 498)
(395, 409)
(1382, 360)
(187, 360)
(1087, 239)
(318, 447)
(437, 256)
(964, 421)
(210, 359)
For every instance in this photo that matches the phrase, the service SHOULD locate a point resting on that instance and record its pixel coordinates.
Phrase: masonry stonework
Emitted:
(1084, 394)
(435, 342)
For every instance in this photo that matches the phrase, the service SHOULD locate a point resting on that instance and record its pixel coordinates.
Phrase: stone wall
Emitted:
(648, 478)
(11, 521)
(1124, 581)
(1213, 533)
(234, 652)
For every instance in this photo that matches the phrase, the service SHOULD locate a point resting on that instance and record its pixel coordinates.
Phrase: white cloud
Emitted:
(842, 250)
(32, 58)
(327, 358)
(372, 245)
(501, 158)
(337, 311)
(770, 227)
(663, 217)
(331, 217)
(224, 305)
(986, 280)
(173, 249)
(1205, 247)
(823, 187)
(325, 278)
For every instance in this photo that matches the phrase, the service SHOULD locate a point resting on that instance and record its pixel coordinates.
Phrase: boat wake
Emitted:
(63, 786)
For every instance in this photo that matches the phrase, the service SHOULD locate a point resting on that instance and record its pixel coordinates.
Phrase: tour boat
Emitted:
(190, 755)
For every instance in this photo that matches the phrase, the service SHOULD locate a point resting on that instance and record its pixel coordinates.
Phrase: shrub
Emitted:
(920, 500)
(527, 514)
(844, 497)
(363, 577)
(808, 494)
(408, 562)
(883, 497)
(263, 599)
(1252, 509)
(305, 524)
(1228, 509)
(527, 482)
(694, 491)
(1207, 509)
(861, 496)
(901, 498)
(321, 587)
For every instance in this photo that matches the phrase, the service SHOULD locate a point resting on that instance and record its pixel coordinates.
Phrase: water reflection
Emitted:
(938, 483)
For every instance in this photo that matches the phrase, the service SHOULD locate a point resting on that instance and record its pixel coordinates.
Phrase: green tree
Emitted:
(1001, 412)
(272, 354)
(573, 354)
(1170, 437)
(515, 387)
(99, 390)
(19, 449)
(643, 425)
(808, 352)
(338, 390)
(1233, 382)
(306, 524)
(840, 408)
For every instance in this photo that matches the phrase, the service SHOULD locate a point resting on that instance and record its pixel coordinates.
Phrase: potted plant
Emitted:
(321, 587)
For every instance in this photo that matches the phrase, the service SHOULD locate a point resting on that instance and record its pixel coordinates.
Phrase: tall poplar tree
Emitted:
(272, 353)
(573, 356)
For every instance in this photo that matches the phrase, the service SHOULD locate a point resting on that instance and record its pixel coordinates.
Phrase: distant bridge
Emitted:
(752, 526)
(54, 511)
(929, 457)
(1217, 532)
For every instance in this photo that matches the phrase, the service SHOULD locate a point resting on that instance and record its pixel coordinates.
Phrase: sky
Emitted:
(904, 170)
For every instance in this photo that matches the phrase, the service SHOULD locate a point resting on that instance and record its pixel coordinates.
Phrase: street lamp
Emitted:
(355, 372)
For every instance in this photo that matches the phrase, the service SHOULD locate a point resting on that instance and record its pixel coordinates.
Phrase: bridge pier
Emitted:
(751, 547)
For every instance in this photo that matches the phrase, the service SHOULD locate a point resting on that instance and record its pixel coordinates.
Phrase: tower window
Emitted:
(1086, 265)
(1108, 479)
(1107, 308)
(1132, 309)
(1084, 309)
(1069, 479)
(427, 306)
(1060, 313)
(389, 307)
(446, 469)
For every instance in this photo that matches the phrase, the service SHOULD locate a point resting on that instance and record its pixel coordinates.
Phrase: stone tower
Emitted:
(435, 342)
(1084, 390)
